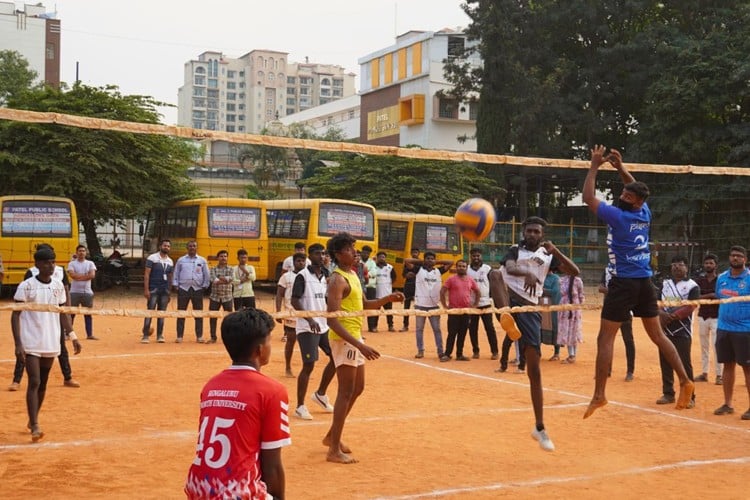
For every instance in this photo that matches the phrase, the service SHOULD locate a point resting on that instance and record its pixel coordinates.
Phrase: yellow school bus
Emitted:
(399, 232)
(315, 220)
(26, 221)
(215, 224)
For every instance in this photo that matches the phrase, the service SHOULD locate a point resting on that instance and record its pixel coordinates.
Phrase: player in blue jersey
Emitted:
(630, 289)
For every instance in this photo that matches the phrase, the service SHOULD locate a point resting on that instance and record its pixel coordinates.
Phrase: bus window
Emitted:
(439, 238)
(181, 222)
(233, 222)
(355, 220)
(392, 235)
(288, 223)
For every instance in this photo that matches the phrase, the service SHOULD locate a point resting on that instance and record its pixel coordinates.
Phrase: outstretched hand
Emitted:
(597, 155)
(615, 158)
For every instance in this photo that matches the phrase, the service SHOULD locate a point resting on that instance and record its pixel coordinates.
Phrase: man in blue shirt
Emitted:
(191, 278)
(630, 288)
(733, 328)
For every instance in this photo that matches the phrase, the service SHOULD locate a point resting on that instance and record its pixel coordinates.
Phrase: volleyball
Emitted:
(475, 219)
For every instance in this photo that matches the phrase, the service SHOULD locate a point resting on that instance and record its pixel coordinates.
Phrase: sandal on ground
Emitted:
(569, 360)
(555, 358)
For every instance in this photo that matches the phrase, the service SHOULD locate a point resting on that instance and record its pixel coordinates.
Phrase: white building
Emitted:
(243, 94)
(34, 34)
(342, 114)
(405, 96)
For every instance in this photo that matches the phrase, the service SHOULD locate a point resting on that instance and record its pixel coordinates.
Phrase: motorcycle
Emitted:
(112, 271)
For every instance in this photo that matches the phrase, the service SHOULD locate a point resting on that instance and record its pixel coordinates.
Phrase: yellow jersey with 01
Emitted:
(352, 302)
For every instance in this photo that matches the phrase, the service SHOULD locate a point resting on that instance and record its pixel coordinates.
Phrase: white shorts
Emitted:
(345, 354)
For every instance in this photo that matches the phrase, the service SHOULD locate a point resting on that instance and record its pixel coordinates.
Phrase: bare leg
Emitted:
(351, 384)
(38, 373)
(668, 350)
(498, 290)
(291, 338)
(746, 370)
(303, 379)
(604, 348)
(534, 374)
(728, 382)
(325, 379)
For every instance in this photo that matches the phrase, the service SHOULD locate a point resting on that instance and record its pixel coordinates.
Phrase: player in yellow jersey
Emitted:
(345, 334)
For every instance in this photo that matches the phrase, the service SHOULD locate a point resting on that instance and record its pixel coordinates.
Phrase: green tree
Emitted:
(402, 184)
(109, 175)
(15, 75)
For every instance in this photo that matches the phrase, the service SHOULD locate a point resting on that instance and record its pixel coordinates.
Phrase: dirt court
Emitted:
(422, 429)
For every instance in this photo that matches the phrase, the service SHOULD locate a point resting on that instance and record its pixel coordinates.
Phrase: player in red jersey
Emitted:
(243, 419)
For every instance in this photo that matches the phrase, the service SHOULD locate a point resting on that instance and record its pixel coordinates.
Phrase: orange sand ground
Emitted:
(422, 429)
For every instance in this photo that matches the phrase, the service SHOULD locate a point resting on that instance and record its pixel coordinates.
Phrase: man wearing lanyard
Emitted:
(191, 278)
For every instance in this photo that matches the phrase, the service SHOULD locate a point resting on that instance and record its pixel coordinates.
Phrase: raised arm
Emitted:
(615, 159)
(589, 185)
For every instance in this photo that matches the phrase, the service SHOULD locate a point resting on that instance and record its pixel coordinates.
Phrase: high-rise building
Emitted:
(244, 94)
(35, 34)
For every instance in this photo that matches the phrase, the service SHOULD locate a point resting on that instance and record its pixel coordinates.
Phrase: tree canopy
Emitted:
(402, 184)
(664, 81)
(109, 175)
(15, 75)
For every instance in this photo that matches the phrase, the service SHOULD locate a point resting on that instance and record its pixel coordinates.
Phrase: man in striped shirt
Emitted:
(221, 290)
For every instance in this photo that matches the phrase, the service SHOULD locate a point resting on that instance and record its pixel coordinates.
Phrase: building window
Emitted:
(281, 77)
(473, 110)
(305, 80)
(269, 102)
(271, 77)
(290, 80)
(241, 128)
(200, 70)
(213, 93)
(289, 111)
(231, 107)
(455, 46)
(197, 124)
(242, 95)
(231, 118)
(213, 83)
(411, 110)
(337, 92)
(231, 96)
(261, 75)
(231, 85)
(326, 82)
(213, 103)
(199, 103)
(230, 128)
(304, 91)
(199, 115)
(447, 108)
(291, 101)
(242, 85)
(199, 91)
(199, 80)
(241, 107)
(241, 118)
(50, 51)
(351, 114)
(291, 90)
(338, 82)
(230, 74)
(325, 100)
(242, 73)
(325, 92)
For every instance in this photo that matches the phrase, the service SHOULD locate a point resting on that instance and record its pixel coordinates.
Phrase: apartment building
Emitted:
(35, 34)
(405, 98)
(244, 94)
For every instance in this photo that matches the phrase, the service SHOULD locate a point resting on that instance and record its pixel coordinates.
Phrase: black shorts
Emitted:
(309, 343)
(530, 325)
(733, 347)
(629, 294)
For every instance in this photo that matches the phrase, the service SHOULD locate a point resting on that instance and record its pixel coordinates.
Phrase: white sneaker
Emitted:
(544, 441)
(302, 413)
(322, 401)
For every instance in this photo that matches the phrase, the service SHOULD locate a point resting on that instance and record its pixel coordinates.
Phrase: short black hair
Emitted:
(367, 248)
(534, 220)
(79, 247)
(476, 250)
(243, 331)
(165, 240)
(737, 248)
(415, 249)
(299, 255)
(222, 252)
(711, 256)
(300, 244)
(241, 251)
(380, 252)
(44, 253)
(640, 189)
(316, 247)
(338, 242)
(428, 254)
(679, 258)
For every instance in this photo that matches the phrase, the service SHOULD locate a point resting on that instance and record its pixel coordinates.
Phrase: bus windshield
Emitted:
(37, 218)
(355, 220)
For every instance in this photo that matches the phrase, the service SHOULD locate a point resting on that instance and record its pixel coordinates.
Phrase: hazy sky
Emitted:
(141, 46)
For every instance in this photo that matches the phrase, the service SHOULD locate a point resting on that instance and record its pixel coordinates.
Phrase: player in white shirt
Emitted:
(82, 271)
(284, 303)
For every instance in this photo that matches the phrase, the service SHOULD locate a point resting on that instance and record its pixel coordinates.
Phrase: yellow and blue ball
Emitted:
(475, 219)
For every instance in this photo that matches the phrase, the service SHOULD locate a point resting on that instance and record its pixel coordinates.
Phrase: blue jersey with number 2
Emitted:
(627, 240)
